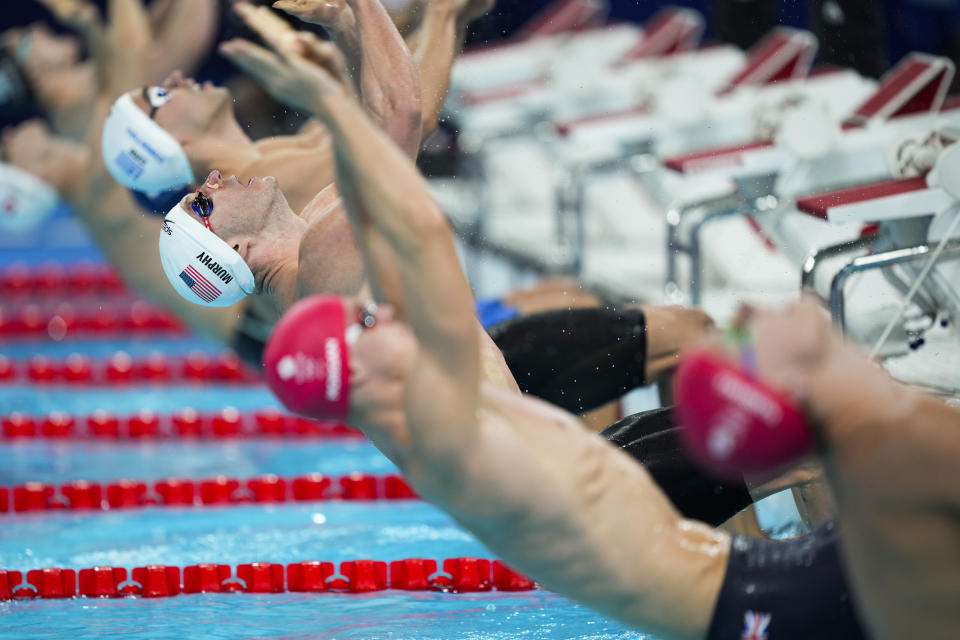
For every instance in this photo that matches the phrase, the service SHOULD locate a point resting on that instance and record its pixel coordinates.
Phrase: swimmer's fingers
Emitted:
(252, 59)
(265, 22)
(326, 13)
(76, 14)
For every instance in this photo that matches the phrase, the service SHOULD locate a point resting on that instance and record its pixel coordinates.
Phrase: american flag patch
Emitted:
(130, 165)
(199, 285)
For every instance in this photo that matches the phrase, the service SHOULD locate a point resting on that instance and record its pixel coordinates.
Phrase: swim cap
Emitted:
(26, 201)
(733, 423)
(202, 267)
(139, 154)
(306, 360)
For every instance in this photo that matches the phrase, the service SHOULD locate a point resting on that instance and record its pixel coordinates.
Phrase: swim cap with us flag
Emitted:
(201, 266)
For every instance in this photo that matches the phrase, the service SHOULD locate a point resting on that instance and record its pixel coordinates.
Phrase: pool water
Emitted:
(284, 533)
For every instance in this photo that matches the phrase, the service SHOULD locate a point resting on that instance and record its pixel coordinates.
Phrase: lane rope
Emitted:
(68, 321)
(121, 369)
(221, 490)
(184, 424)
(57, 280)
(455, 575)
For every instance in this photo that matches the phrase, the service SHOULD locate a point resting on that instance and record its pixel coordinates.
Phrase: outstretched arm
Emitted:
(435, 45)
(377, 59)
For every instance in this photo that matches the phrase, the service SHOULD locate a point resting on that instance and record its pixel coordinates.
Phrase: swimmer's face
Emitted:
(240, 214)
(193, 110)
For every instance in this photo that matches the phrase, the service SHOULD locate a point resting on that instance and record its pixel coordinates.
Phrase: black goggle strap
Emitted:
(156, 97)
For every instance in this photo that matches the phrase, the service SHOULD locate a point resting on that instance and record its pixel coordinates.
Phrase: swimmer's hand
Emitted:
(80, 15)
(326, 13)
(300, 71)
(265, 22)
(32, 147)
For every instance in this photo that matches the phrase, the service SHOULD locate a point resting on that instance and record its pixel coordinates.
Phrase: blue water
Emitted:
(330, 531)
(102, 462)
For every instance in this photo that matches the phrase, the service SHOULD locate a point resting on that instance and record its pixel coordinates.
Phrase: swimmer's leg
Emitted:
(578, 359)
(652, 439)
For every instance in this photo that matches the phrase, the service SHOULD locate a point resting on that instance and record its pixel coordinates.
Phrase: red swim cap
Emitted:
(733, 423)
(306, 359)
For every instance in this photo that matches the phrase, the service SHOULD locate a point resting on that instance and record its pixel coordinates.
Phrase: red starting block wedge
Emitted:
(362, 576)
(53, 583)
(309, 576)
(102, 582)
(506, 578)
(412, 574)
(4, 500)
(261, 577)
(205, 578)
(157, 581)
(468, 574)
(311, 487)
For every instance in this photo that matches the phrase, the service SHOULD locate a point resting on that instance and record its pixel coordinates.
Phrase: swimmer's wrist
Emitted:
(329, 106)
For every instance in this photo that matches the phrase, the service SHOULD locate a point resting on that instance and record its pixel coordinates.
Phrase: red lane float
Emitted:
(185, 424)
(83, 495)
(59, 280)
(460, 575)
(122, 369)
(66, 321)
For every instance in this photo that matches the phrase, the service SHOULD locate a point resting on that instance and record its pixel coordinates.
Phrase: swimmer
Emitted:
(555, 501)
(128, 239)
(890, 453)
(179, 33)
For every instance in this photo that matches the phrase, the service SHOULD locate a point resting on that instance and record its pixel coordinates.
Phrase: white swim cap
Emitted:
(202, 267)
(137, 151)
(26, 201)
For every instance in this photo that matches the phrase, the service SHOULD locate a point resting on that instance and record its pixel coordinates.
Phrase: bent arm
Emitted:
(435, 45)
(389, 84)
(184, 31)
(402, 232)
